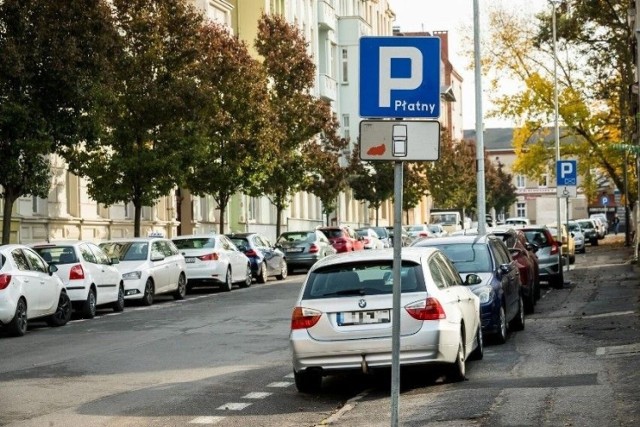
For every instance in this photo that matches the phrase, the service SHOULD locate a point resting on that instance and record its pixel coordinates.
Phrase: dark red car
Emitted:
(343, 239)
(523, 253)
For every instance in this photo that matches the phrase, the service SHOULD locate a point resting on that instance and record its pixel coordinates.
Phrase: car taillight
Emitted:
(251, 252)
(554, 248)
(303, 318)
(341, 241)
(76, 272)
(209, 257)
(429, 309)
(5, 279)
(423, 234)
(313, 248)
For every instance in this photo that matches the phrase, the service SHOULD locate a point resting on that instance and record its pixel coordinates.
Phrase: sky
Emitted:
(456, 17)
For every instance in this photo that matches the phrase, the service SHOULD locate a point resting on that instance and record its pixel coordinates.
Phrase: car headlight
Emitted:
(486, 294)
(133, 275)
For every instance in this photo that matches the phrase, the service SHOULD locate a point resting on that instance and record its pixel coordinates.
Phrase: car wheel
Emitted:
(501, 336)
(182, 287)
(538, 292)
(458, 370)
(594, 242)
(283, 271)
(89, 305)
(17, 327)
(478, 353)
(118, 305)
(63, 312)
(530, 302)
(308, 382)
(556, 282)
(263, 274)
(147, 298)
(228, 281)
(248, 278)
(572, 259)
(517, 324)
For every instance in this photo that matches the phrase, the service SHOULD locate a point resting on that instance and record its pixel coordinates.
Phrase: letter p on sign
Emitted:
(567, 172)
(388, 82)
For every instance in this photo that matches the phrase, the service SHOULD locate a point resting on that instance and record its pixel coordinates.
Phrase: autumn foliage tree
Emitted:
(595, 72)
(54, 63)
(298, 117)
(233, 151)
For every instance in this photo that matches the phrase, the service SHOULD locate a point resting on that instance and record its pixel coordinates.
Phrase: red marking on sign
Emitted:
(377, 150)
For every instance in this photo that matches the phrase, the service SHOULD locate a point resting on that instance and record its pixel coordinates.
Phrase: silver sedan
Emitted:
(342, 318)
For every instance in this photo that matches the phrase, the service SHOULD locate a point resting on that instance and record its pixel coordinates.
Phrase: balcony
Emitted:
(326, 15)
(328, 88)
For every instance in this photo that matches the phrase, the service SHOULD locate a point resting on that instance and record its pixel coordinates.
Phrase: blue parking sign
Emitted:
(400, 77)
(567, 172)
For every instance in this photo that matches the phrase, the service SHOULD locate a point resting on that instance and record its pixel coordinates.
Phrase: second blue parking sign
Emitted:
(400, 77)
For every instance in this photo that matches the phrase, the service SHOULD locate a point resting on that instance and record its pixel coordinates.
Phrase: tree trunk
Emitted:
(137, 217)
(222, 205)
(9, 200)
(279, 210)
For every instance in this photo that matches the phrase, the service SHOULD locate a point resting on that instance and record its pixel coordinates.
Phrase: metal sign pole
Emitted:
(395, 312)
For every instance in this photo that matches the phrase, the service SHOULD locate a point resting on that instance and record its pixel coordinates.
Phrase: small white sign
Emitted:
(408, 140)
(567, 191)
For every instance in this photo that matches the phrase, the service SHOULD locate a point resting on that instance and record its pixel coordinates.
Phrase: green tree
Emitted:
(149, 124)
(298, 116)
(415, 185)
(54, 63)
(595, 71)
(326, 177)
(233, 153)
(500, 191)
(371, 181)
(452, 179)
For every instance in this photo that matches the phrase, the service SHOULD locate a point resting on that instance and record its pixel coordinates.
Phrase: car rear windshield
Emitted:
(126, 251)
(58, 254)
(467, 257)
(539, 237)
(332, 233)
(196, 243)
(297, 237)
(353, 279)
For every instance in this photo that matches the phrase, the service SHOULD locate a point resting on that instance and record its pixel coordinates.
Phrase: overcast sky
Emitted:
(453, 16)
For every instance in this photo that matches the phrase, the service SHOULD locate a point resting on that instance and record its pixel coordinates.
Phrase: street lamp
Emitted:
(555, 4)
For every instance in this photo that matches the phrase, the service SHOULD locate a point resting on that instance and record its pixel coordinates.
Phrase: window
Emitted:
(543, 181)
(37, 264)
(345, 126)
(521, 209)
(87, 254)
(520, 181)
(345, 66)
(99, 254)
(20, 260)
(252, 208)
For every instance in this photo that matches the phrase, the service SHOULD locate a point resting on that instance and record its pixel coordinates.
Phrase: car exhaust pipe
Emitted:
(364, 366)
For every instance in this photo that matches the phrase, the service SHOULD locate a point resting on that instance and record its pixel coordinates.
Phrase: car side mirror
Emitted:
(115, 261)
(51, 269)
(504, 268)
(472, 279)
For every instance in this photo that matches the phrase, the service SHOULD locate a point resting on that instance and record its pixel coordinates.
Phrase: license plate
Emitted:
(363, 317)
(190, 260)
(295, 249)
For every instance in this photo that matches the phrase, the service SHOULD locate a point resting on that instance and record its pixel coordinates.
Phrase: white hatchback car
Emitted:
(342, 318)
(91, 278)
(150, 266)
(213, 259)
(29, 289)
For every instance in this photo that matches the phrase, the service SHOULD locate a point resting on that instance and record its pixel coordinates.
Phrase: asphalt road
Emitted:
(223, 359)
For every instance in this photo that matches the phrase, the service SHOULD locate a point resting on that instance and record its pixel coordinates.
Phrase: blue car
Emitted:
(266, 260)
(485, 265)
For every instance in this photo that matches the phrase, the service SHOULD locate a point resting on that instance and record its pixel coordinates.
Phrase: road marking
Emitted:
(289, 375)
(257, 395)
(351, 403)
(618, 350)
(206, 420)
(280, 384)
(234, 406)
(615, 313)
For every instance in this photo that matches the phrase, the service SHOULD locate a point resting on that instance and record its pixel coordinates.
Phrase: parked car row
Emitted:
(455, 292)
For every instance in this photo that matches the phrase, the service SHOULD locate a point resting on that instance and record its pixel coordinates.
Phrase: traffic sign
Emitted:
(604, 200)
(566, 172)
(404, 140)
(400, 77)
